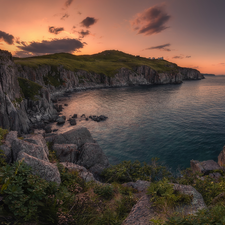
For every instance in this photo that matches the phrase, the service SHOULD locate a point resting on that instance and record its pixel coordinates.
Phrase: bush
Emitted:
(105, 191)
(128, 171)
(163, 196)
(3, 133)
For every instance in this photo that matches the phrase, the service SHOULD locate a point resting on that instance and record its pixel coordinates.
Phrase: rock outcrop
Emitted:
(221, 157)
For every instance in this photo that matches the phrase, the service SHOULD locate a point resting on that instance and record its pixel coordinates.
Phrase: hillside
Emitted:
(107, 62)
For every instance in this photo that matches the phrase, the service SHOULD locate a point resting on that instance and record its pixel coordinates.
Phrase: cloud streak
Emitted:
(88, 21)
(53, 46)
(55, 30)
(8, 38)
(68, 3)
(64, 16)
(160, 47)
(151, 21)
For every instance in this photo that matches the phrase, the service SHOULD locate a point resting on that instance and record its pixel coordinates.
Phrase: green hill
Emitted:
(106, 62)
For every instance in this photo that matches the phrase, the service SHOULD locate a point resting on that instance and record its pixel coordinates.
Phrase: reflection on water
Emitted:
(175, 123)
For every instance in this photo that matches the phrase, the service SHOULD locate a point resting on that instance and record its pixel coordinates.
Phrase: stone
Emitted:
(6, 148)
(215, 176)
(35, 146)
(72, 122)
(82, 171)
(54, 130)
(78, 136)
(139, 185)
(74, 116)
(141, 212)
(197, 202)
(66, 152)
(204, 167)
(60, 107)
(93, 158)
(221, 157)
(48, 129)
(60, 120)
(65, 104)
(44, 169)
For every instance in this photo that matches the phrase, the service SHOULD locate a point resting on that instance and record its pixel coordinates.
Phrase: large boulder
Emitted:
(66, 152)
(221, 157)
(77, 136)
(197, 202)
(141, 212)
(40, 167)
(204, 167)
(34, 145)
(93, 158)
(82, 171)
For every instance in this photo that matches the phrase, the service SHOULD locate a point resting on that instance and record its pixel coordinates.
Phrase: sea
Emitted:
(175, 122)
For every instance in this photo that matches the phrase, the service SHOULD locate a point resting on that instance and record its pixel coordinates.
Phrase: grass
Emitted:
(107, 62)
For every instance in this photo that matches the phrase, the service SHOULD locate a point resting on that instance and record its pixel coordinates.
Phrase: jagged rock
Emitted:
(139, 185)
(34, 146)
(74, 116)
(66, 152)
(60, 120)
(72, 122)
(221, 157)
(60, 108)
(93, 158)
(77, 136)
(48, 129)
(204, 167)
(82, 171)
(141, 213)
(40, 167)
(197, 202)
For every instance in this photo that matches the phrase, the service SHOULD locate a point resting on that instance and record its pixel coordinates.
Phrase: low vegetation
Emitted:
(106, 62)
(25, 197)
(29, 88)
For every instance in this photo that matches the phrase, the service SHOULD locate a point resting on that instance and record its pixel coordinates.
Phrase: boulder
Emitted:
(74, 116)
(82, 171)
(48, 129)
(93, 158)
(221, 157)
(66, 152)
(60, 120)
(72, 122)
(197, 202)
(141, 212)
(42, 168)
(139, 185)
(77, 136)
(6, 148)
(204, 167)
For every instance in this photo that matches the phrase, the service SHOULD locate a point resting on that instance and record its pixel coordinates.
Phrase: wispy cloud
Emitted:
(160, 47)
(178, 57)
(64, 16)
(8, 38)
(68, 3)
(84, 33)
(55, 30)
(88, 21)
(151, 21)
(188, 56)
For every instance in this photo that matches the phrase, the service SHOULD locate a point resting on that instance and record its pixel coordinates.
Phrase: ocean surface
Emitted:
(175, 123)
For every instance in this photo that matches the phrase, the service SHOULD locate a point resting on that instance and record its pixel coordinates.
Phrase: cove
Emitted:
(175, 123)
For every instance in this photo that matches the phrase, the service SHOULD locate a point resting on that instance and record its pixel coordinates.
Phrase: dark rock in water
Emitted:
(87, 118)
(60, 108)
(65, 104)
(221, 157)
(98, 118)
(74, 116)
(64, 117)
(54, 130)
(72, 121)
(48, 129)
(60, 120)
(83, 115)
(204, 167)
(102, 117)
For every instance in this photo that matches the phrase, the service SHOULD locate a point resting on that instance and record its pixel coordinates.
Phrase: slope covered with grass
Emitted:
(106, 62)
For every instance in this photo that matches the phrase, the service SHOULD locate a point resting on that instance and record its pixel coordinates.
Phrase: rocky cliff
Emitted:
(26, 92)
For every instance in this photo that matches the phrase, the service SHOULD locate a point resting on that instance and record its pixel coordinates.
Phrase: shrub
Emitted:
(105, 191)
(164, 196)
(128, 171)
(3, 133)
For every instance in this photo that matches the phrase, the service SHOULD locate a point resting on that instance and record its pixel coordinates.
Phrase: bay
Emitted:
(175, 123)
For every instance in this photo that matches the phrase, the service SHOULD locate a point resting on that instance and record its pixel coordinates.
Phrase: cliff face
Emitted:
(19, 113)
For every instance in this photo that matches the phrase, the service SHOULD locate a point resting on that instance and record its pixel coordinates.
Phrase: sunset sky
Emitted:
(190, 33)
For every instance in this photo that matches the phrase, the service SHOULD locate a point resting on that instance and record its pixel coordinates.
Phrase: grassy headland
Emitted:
(106, 62)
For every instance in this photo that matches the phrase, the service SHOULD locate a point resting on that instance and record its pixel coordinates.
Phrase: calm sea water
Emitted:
(175, 123)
